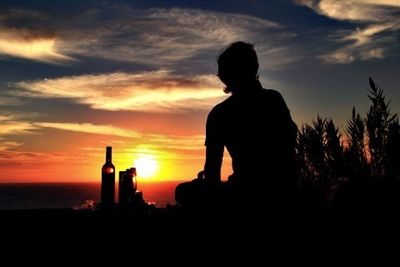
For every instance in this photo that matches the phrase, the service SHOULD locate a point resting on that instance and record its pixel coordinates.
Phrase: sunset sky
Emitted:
(77, 76)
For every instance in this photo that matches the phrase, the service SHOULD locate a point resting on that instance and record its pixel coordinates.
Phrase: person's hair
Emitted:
(238, 62)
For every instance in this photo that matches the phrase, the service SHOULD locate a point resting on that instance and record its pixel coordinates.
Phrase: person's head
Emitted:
(238, 66)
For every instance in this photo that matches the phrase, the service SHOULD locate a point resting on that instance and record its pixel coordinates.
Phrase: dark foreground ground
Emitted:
(361, 222)
(175, 222)
(166, 237)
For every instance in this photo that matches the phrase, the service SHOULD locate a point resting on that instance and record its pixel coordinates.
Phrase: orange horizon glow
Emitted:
(162, 166)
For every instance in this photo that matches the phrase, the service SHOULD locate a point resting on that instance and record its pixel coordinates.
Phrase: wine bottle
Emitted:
(108, 181)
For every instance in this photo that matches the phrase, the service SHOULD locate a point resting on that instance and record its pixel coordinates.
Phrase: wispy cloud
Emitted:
(15, 128)
(354, 10)
(154, 91)
(89, 128)
(372, 18)
(159, 141)
(156, 36)
(172, 142)
(5, 118)
(167, 36)
(9, 101)
(171, 37)
(9, 125)
(7, 145)
(34, 48)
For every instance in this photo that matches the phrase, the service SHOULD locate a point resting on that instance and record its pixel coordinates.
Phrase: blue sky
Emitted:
(124, 72)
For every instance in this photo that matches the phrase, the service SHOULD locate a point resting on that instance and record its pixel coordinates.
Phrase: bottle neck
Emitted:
(108, 155)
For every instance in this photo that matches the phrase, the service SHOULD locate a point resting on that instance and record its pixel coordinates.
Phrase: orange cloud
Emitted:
(15, 128)
(10, 124)
(89, 128)
(154, 91)
(40, 48)
(6, 145)
(182, 144)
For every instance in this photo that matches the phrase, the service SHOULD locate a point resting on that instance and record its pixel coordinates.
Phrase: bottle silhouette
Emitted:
(108, 181)
(127, 188)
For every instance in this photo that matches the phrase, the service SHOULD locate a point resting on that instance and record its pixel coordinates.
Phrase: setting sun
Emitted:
(146, 166)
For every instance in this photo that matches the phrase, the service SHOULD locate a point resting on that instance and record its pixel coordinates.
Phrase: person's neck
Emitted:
(247, 88)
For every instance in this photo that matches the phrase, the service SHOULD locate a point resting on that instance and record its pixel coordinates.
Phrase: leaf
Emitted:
(372, 84)
(394, 116)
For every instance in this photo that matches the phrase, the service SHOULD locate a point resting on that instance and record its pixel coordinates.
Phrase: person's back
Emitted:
(255, 126)
(258, 133)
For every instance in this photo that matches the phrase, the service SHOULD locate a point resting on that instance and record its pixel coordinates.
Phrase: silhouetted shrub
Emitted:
(355, 153)
(369, 150)
(377, 121)
(392, 152)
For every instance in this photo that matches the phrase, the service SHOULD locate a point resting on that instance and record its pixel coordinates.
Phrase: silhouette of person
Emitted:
(255, 126)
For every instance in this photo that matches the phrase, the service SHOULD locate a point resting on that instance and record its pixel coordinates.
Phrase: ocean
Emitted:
(74, 195)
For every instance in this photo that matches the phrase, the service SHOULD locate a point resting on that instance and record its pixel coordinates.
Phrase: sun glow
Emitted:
(146, 166)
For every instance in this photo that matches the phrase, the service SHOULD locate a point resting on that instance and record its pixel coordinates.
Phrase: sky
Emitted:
(140, 76)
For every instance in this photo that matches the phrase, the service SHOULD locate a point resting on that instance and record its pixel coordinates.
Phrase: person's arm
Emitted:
(287, 119)
(214, 148)
(212, 167)
(288, 132)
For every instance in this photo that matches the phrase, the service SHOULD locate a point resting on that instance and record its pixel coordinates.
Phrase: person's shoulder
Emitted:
(221, 110)
(222, 106)
(271, 93)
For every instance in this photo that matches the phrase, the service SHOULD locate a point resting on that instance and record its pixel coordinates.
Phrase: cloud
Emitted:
(154, 91)
(7, 145)
(166, 147)
(374, 19)
(6, 118)
(39, 48)
(9, 101)
(168, 38)
(15, 128)
(365, 36)
(355, 10)
(153, 140)
(373, 53)
(89, 128)
(174, 142)
(14, 157)
(176, 34)
(339, 57)
(9, 125)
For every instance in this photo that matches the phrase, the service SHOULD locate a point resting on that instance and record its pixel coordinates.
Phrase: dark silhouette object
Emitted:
(108, 182)
(320, 156)
(355, 153)
(127, 187)
(255, 126)
(358, 175)
(393, 150)
(130, 199)
(378, 122)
